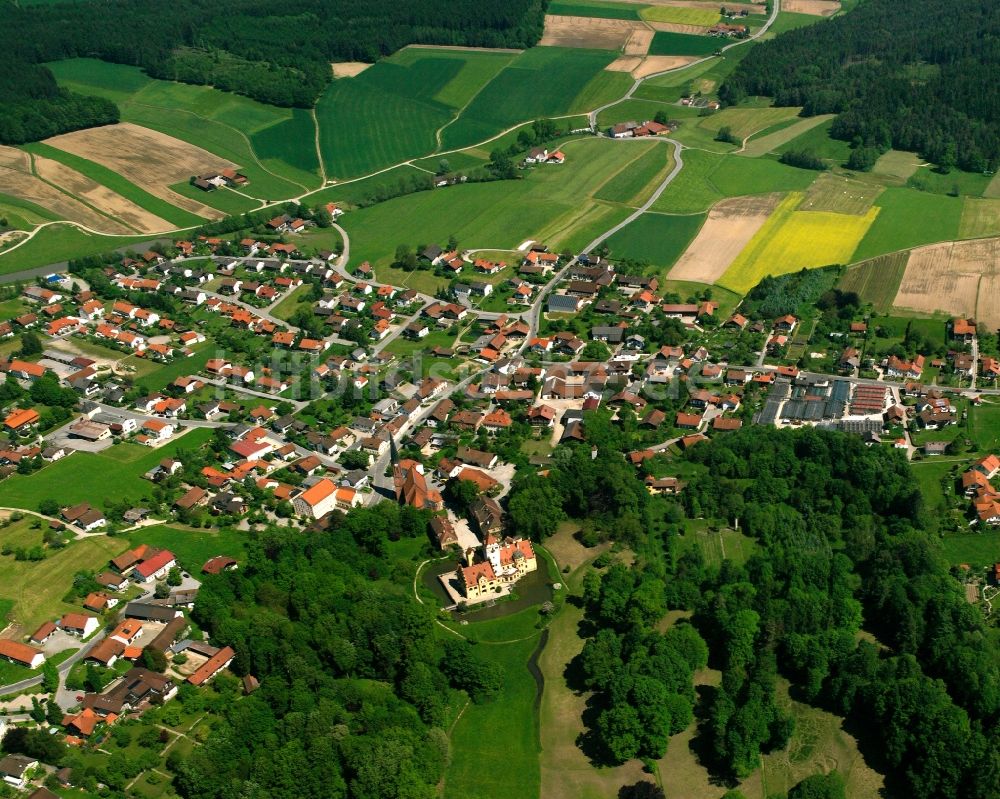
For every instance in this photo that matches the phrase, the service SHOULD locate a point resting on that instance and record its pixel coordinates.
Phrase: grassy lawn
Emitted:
(192, 547)
(406, 347)
(58, 243)
(979, 550)
(510, 718)
(115, 182)
(290, 304)
(984, 425)
(226, 200)
(37, 588)
(164, 374)
(86, 477)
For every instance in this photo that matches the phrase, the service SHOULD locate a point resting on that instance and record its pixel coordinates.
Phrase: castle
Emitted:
(504, 563)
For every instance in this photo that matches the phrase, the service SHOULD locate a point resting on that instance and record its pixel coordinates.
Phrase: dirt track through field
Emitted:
(592, 33)
(729, 227)
(959, 278)
(16, 179)
(101, 197)
(150, 159)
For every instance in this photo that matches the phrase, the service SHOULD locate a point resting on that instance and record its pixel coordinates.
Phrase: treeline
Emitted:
(33, 107)
(918, 79)
(252, 47)
(354, 683)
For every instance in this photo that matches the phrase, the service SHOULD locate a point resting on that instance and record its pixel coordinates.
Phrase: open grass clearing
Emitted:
(876, 280)
(56, 244)
(22, 214)
(173, 215)
(993, 188)
(980, 217)
(224, 200)
(897, 164)
(791, 240)
(817, 141)
(729, 227)
(910, 218)
(742, 121)
(634, 183)
(192, 547)
(769, 142)
(595, 8)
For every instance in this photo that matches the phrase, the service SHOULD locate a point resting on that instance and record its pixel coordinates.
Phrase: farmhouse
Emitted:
(21, 654)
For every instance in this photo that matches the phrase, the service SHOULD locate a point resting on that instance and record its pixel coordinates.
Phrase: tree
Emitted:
(48, 507)
(641, 790)
(162, 590)
(154, 660)
(174, 577)
(501, 166)
(31, 344)
(862, 159)
(819, 786)
(661, 118)
(50, 678)
(444, 166)
(726, 135)
(535, 509)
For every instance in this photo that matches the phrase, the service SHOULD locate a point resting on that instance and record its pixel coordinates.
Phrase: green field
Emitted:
(23, 214)
(705, 17)
(603, 9)
(192, 547)
(226, 200)
(85, 476)
(979, 550)
(101, 174)
(897, 164)
(741, 121)
(273, 146)
(541, 82)
(37, 588)
(633, 185)
(877, 280)
(979, 218)
(511, 769)
(909, 218)
(659, 239)
(669, 43)
(791, 240)
(60, 242)
(801, 131)
(552, 203)
(709, 177)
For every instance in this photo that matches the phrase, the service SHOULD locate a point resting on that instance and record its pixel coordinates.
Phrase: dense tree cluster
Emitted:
(252, 47)
(920, 80)
(354, 681)
(842, 539)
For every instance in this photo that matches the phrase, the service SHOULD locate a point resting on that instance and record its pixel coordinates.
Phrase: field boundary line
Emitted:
(319, 150)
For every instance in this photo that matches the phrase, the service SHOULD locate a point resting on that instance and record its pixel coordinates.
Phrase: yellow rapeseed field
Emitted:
(681, 16)
(791, 240)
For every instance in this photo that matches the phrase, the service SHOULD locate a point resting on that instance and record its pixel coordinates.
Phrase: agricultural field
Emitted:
(730, 226)
(993, 189)
(818, 8)
(704, 17)
(658, 239)
(541, 82)
(553, 203)
(274, 147)
(876, 280)
(394, 110)
(831, 192)
(742, 122)
(791, 240)
(633, 185)
(621, 35)
(897, 164)
(910, 218)
(979, 218)
(670, 43)
(818, 142)
(176, 217)
(22, 214)
(37, 588)
(770, 141)
(960, 277)
(596, 8)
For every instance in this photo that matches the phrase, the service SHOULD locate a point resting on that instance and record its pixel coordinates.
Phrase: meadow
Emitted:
(58, 243)
(101, 174)
(225, 200)
(541, 82)
(273, 146)
(23, 214)
(979, 218)
(741, 121)
(85, 476)
(658, 239)
(552, 203)
(669, 43)
(603, 9)
(791, 240)
(908, 218)
(192, 547)
(634, 185)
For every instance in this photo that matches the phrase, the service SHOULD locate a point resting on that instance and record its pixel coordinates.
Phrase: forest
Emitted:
(919, 78)
(250, 47)
(842, 548)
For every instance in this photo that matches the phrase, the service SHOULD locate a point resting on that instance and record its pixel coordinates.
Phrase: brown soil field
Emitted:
(101, 197)
(12, 158)
(729, 227)
(946, 278)
(661, 63)
(589, 32)
(818, 8)
(150, 159)
(348, 69)
(752, 8)
(21, 183)
(840, 195)
(625, 63)
(638, 43)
